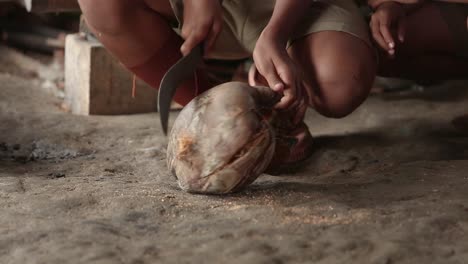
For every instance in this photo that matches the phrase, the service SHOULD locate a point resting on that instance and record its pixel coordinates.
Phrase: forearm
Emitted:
(286, 15)
(409, 4)
(376, 3)
(453, 1)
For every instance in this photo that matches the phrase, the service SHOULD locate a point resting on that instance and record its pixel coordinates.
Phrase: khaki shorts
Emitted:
(244, 20)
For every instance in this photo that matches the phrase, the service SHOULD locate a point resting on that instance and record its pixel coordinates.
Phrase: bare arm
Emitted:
(454, 1)
(202, 23)
(375, 3)
(270, 55)
(286, 15)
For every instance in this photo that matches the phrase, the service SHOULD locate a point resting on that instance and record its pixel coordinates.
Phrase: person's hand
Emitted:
(388, 24)
(276, 67)
(203, 21)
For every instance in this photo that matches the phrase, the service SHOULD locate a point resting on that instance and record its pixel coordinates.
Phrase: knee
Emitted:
(339, 71)
(107, 17)
(341, 102)
(338, 95)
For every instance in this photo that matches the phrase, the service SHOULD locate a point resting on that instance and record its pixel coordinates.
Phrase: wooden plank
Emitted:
(97, 84)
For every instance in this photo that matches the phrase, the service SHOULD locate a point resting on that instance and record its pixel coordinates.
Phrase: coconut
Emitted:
(221, 142)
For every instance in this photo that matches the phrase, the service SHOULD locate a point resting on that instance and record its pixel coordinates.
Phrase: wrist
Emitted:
(388, 4)
(406, 5)
(210, 2)
(275, 34)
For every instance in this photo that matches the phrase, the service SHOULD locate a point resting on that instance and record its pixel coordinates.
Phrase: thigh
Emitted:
(129, 29)
(162, 7)
(435, 46)
(338, 70)
(426, 32)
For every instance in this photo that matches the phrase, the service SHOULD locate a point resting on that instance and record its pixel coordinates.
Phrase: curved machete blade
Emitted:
(180, 71)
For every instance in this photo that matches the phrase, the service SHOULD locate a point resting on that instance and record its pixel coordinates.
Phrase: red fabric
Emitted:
(153, 70)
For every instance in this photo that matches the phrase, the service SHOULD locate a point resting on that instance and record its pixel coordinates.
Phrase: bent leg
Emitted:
(127, 28)
(338, 70)
(140, 37)
(429, 50)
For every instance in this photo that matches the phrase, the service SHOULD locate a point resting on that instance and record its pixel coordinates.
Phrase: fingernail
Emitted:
(391, 45)
(391, 52)
(401, 38)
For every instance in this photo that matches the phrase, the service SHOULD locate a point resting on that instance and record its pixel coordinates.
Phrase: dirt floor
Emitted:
(388, 184)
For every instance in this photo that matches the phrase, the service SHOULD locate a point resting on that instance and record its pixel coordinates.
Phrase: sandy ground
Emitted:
(388, 184)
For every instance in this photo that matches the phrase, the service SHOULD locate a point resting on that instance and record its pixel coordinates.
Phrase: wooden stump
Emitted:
(97, 84)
